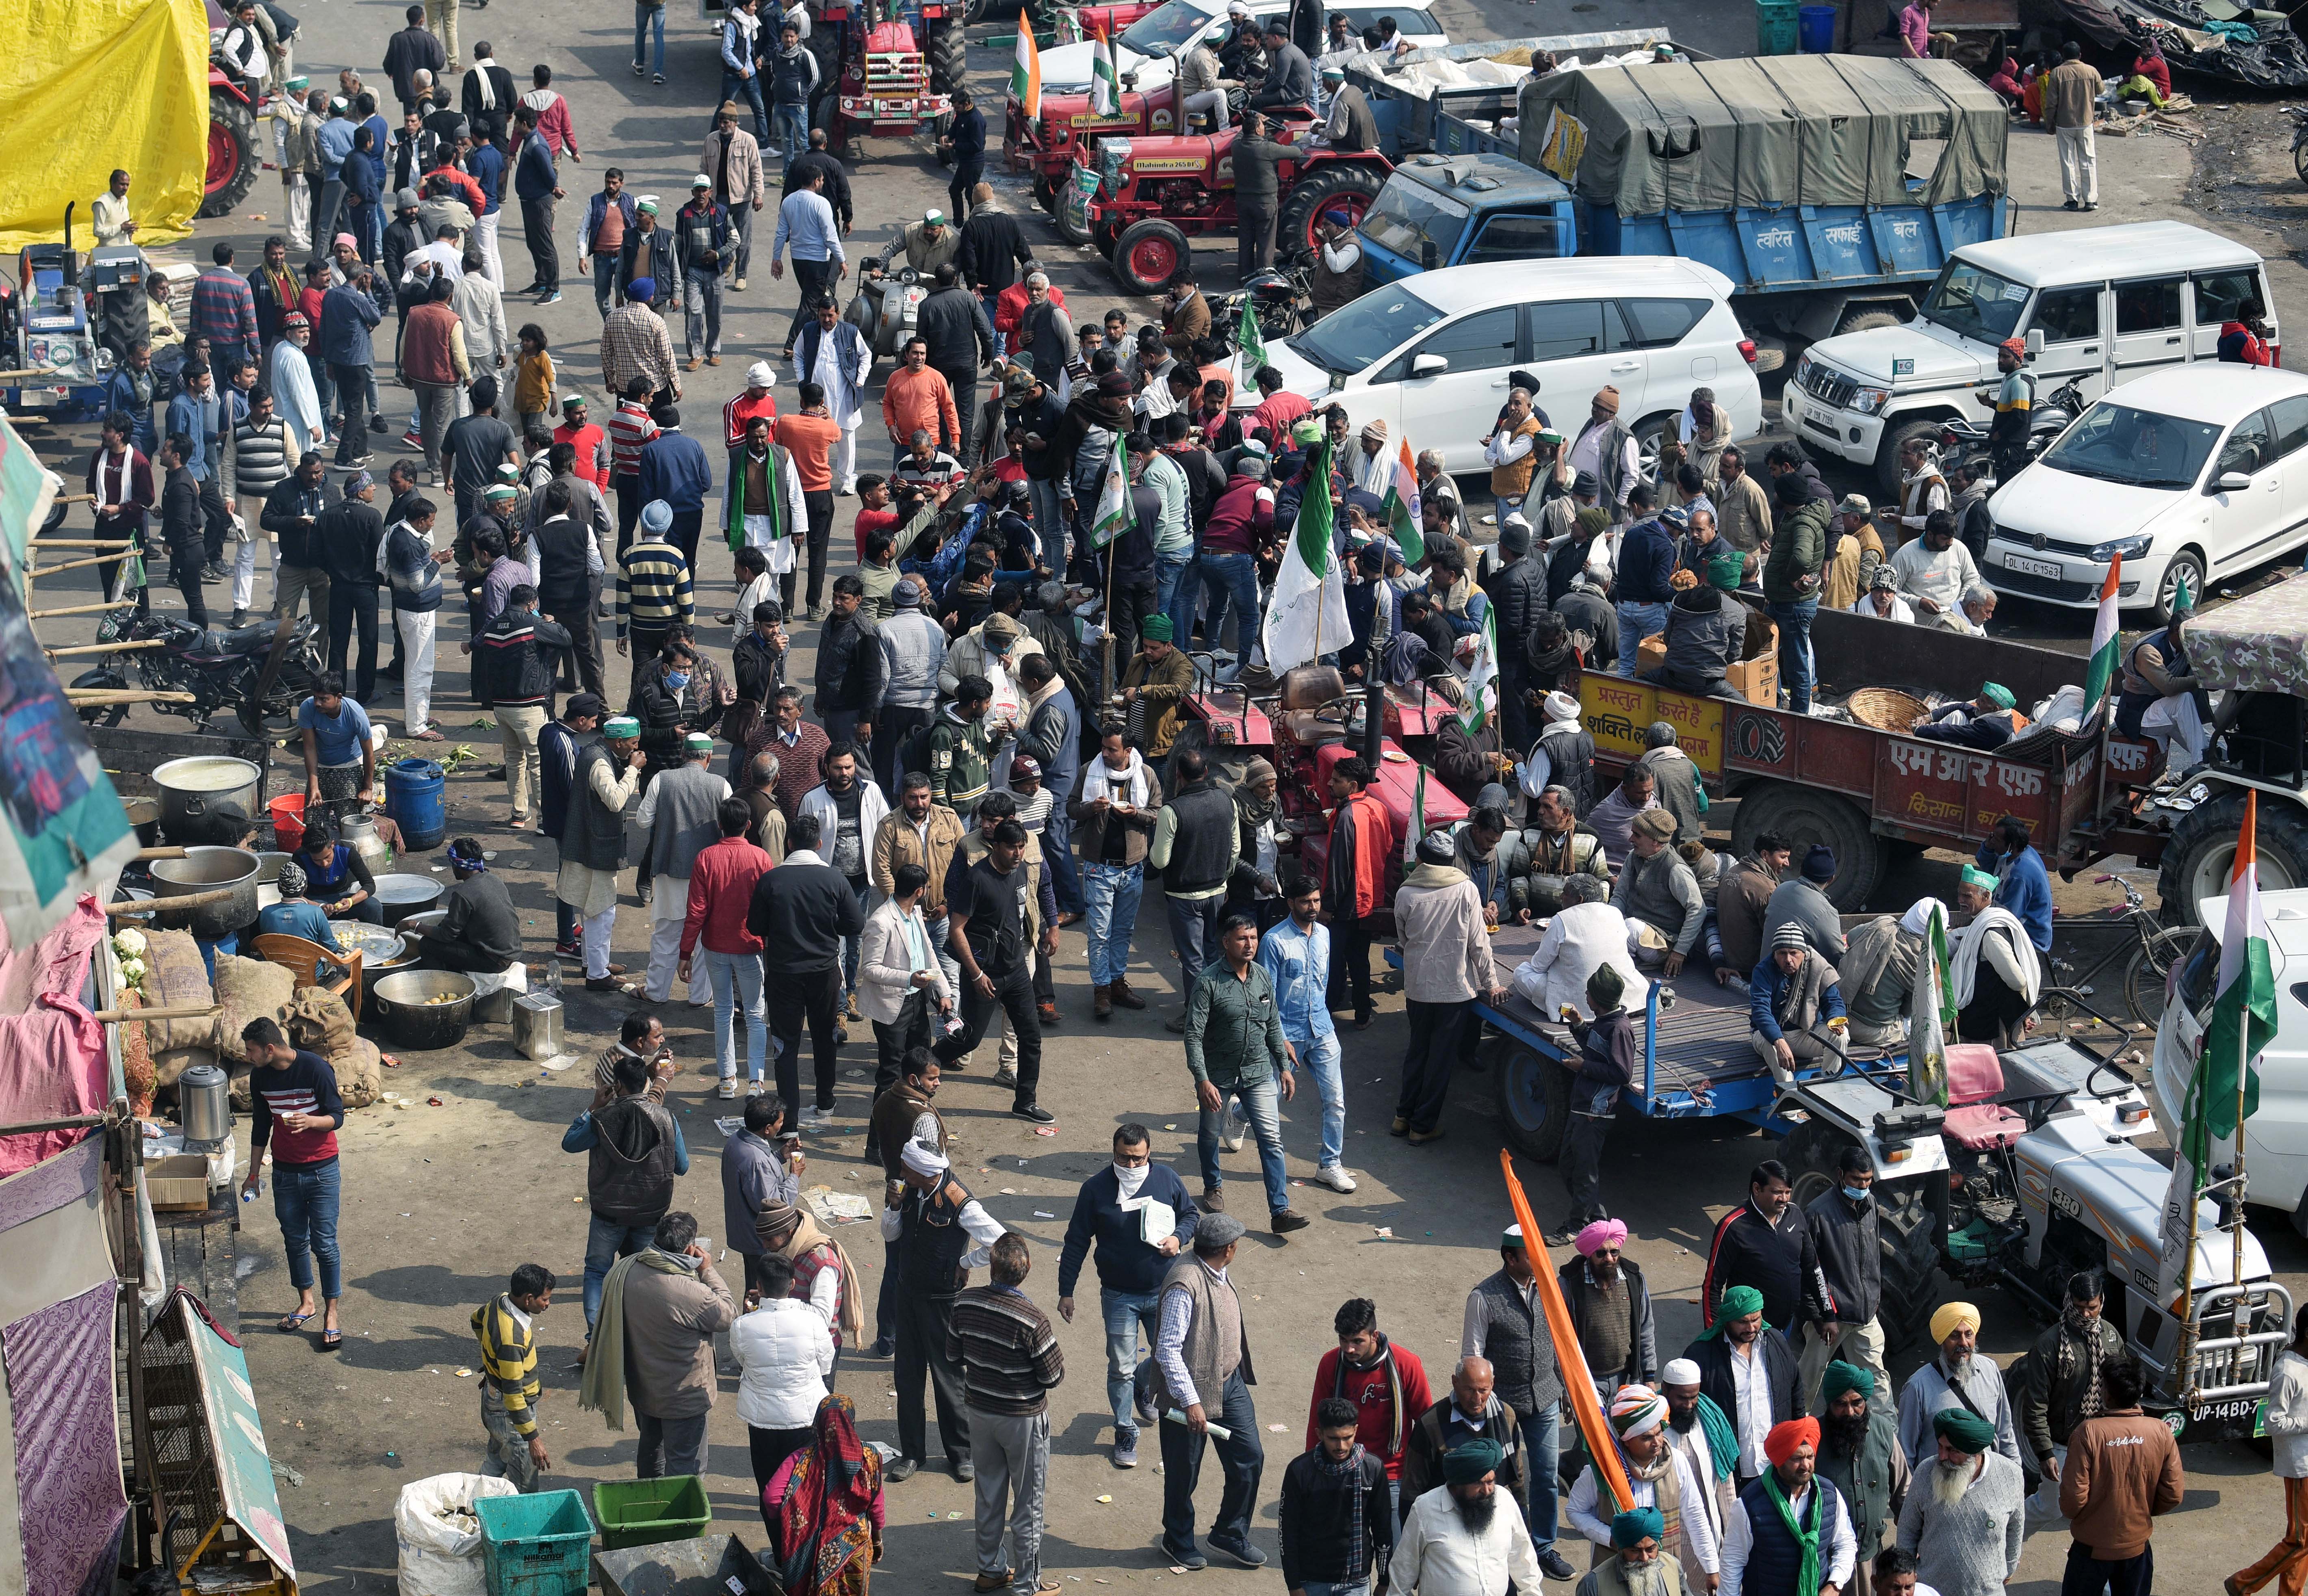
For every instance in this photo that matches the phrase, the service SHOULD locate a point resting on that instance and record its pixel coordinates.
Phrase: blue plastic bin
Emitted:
(413, 790)
(536, 1546)
(1815, 30)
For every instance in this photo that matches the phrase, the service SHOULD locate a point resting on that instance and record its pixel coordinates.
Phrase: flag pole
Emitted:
(2244, 1063)
(2182, 1307)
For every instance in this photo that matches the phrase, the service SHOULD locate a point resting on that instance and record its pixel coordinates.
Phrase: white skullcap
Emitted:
(1561, 706)
(1918, 917)
(923, 1158)
(1680, 1371)
(762, 374)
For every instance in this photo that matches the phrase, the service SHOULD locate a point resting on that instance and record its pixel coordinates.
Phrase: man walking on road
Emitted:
(806, 224)
(802, 911)
(2122, 1472)
(1202, 1372)
(664, 1305)
(1844, 1230)
(1010, 1363)
(1502, 1328)
(1236, 1050)
(2071, 93)
(733, 160)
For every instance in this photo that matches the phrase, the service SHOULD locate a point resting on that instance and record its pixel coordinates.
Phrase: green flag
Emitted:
(1112, 516)
(1249, 347)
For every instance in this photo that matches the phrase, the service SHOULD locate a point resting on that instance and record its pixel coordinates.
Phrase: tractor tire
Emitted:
(234, 158)
(1046, 195)
(1062, 216)
(1903, 1230)
(1334, 187)
(2202, 851)
(1148, 255)
(1103, 236)
(947, 54)
(1803, 816)
(1534, 1099)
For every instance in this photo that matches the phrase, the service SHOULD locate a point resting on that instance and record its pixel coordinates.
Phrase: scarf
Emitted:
(1393, 1396)
(1808, 1540)
(1667, 1494)
(602, 1387)
(1346, 1475)
(1434, 875)
(805, 1239)
(1547, 665)
(1722, 1446)
(284, 287)
(484, 90)
(2081, 1341)
(1966, 954)
(771, 474)
(1100, 780)
(1549, 857)
(830, 1485)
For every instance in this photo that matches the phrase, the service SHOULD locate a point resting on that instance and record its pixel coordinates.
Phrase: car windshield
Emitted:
(1351, 338)
(1408, 214)
(1166, 29)
(1975, 301)
(2135, 448)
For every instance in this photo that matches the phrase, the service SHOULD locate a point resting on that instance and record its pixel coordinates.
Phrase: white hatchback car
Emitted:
(2193, 472)
(1151, 46)
(1430, 355)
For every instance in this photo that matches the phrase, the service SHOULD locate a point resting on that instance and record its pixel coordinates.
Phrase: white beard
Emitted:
(1647, 1579)
(1950, 1482)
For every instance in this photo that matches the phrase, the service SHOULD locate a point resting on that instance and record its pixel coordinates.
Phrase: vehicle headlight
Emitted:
(1802, 370)
(2131, 548)
(1868, 402)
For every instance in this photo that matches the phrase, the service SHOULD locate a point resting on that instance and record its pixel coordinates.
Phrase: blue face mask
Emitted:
(1857, 1194)
(676, 680)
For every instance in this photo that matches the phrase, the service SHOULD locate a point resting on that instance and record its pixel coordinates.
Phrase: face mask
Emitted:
(1857, 1194)
(676, 680)
(1130, 1180)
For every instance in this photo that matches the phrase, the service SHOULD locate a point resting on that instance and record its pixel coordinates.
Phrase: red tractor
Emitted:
(1140, 201)
(899, 65)
(1047, 145)
(235, 156)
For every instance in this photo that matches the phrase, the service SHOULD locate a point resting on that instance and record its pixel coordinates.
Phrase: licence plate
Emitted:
(892, 107)
(2042, 568)
(34, 399)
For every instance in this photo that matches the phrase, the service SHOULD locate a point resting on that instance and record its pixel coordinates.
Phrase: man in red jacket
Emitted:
(720, 891)
(1362, 838)
(1386, 1383)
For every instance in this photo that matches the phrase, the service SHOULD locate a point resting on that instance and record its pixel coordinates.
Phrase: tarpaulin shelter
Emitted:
(1781, 130)
(89, 85)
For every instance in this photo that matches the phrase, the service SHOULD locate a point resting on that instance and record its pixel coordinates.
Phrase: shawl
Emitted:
(808, 1237)
(1963, 959)
(828, 1485)
(1807, 1539)
(773, 469)
(1099, 782)
(1879, 947)
(1393, 1394)
(1722, 1446)
(602, 1387)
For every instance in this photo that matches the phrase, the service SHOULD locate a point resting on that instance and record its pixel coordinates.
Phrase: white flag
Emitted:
(1307, 614)
(1482, 677)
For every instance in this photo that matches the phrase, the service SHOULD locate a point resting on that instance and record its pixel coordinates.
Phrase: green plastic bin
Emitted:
(1778, 27)
(536, 1546)
(645, 1512)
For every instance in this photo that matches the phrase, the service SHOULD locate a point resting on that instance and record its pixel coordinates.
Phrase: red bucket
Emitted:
(287, 812)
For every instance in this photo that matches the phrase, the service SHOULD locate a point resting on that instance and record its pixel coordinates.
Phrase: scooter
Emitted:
(886, 305)
(1967, 440)
(219, 670)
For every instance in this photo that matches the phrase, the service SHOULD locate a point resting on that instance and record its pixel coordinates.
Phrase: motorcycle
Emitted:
(219, 669)
(2299, 114)
(1967, 440)
(1284, 295)
(886, 307)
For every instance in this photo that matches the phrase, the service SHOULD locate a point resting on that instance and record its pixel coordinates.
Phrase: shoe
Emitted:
(1101, 1004)
(1066, 918)
(239, 619)
(1402, 1127)
(728, 1088)
(841, 1034)
(1565, 1237)
(414, 439)
(1335, 1178)
(552, 298)
(963, 1469)
(1176, 1024)
(899, 1471)
(1125, 1448)
(1192, 1562)
(1049, 1013)
(567, 950)
(1034, 1112)
(1214, 1198)
(658, 78)
(1231, 1131)
(1241, 1551)
(212, 573)
(883, 1347)
(713, 360)
(694, 362)
(817, 612)
(1419, 1138)
(1362, 1018)
(606, 983)
(992, 1581)
(616, 969)
(849, 483)
(1555, 1566)
(646, 891)
(851, 1014)
(2070, 205)
(1006, 1077)
(1284, 1222)
(815, 1118)
(738, 283)
(360, 462)
(638, 69)
(378, 423)
(2091, 204)
(1123, 997)
(1141, 1403)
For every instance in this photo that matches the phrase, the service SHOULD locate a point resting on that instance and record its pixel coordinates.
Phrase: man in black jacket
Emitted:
(567, 584)
(1329, 1538)
(182, 524)
(992, 249)
(1288, 85)
(517, 651)
(1518, 594)
(1750, 1373)
(1846, 1232)
(960, 337)
(851, 669)
(802, 910)
(487, 82)
(1766, 1243)
(292, 513)
(819, 158)
(410, 51)
(346, 535)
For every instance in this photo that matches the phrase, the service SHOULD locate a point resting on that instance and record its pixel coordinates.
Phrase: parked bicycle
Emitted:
(2143, 947)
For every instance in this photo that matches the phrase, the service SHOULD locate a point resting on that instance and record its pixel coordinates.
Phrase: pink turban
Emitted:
(1603, 1232)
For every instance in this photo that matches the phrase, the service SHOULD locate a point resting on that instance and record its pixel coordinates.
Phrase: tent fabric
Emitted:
(88, 85)
(1782, 130)
(65, 1422)
(52, 1059)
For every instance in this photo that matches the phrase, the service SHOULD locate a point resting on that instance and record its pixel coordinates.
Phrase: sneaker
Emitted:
(555, 298)
(378, 423)
(739, 283)
(239, 619)
(1231, 1131)
(2070, 205)
(1214, 1198)
(1555, 1565)
(1176, 1024)
(412, 438)
(1006, 1077)
(1419, 1138)
(728, 1088)
(849, 483)
(644, 892)
(638, 69)
(568, 951)
(1241, 1551)
(1335, 1178)
(1284, 1222)
(899, 1470)
(360, 462)
(885, 1348)
(815, 1118)
(1141, 1403)
(757, 1087)
(1194, 1562)
(1035, 1113)
(1125, 1448)
(658, 78)
(1564, 1237)
(817, 612)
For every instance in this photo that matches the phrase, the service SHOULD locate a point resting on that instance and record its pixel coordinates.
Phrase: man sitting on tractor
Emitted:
(1201, 86)
(1289, 86)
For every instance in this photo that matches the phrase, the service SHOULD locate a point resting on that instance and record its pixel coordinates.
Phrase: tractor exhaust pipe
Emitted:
(72, 261)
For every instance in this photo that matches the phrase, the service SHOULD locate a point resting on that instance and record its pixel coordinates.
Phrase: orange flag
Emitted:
(1592, 1423)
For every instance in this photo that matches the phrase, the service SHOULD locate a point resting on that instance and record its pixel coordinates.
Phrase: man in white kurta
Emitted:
(831, 353)
(1657, 1476)
(1464, 1538)
(293, 395)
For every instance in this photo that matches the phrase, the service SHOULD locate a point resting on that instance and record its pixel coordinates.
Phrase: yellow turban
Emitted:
(1953, 1317)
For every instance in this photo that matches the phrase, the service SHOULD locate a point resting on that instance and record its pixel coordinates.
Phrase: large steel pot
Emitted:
(192, 789)
(397, 896)
(204, 870)
(424, 1010)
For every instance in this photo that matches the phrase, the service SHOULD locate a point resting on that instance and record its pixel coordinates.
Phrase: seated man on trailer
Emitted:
(2161, 697)
(1794, 998)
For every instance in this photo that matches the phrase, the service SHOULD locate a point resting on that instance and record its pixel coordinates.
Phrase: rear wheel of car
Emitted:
(1148, 255)
(2188, 566)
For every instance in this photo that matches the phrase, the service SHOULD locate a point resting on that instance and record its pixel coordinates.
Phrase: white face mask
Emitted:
(1131, 1180)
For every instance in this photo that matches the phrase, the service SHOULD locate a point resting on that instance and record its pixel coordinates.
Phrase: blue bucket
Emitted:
(1815, 30)
(412, 797)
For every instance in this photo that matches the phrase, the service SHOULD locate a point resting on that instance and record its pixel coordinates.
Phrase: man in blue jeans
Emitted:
(1195, 848)
(1506, 1324)
(1236, 1049)
(793, 79)
(1646, 562)
(633, 1152)
(294, 1109)
(739, 79)
(1297, 954)
(1108, 1211)
(649, 17)
(1791, 579)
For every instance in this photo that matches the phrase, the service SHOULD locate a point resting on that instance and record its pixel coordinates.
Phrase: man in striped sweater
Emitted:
(507, 1328)
(260, 455)
(653, 589)
(1010, 1363)
(630, 427)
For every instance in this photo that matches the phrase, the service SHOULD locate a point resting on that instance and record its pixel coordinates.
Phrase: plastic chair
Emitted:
(304, 958)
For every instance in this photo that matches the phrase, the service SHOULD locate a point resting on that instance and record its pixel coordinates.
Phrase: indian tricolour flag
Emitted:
(1026, 72)
(2225, 1089)
(1114, 513)
(1105, 78)
(2106, 638)
(1401, 506)
(1307, 613)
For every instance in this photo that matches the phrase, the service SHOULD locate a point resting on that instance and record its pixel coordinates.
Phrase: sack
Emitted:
(249, 989)
(169, 1066)
(176, 976)
(438, 1557)
(318, 1021)
(360, 1073)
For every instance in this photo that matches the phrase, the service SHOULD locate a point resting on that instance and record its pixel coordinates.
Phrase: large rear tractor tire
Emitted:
(1802, 817)
(1148, 255)
(1534, 1098)
(2203, 852)
(234, 158)
(1343, 192)
(1904, 1231)
(947, 53)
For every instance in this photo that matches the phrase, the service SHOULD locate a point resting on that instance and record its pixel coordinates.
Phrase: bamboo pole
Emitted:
(32, 571)
(106, 648)
(160, 854)
(81, 542)
(189, 900)
(181, 1011)
(80, 609)
(98, 699)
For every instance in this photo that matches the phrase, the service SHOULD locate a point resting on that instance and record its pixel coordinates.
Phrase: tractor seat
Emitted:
(1307, 731)
(1974, 1076)
(889, 36)
(1310, 687)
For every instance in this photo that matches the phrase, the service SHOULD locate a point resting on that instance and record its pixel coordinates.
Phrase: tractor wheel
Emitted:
(1341, 190)
(1904, 1229)
(1804, 816)
(1534, 1098)
(1046, 193)
(947, 54)
(233, 156)
(1104, 236)
(2201, 853)
(1148, 255)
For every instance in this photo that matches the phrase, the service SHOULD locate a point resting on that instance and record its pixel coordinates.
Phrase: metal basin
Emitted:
(202, 870)
(423, 1010)
(192, 790)
(397, 896)
(413, 926)
(379, 946)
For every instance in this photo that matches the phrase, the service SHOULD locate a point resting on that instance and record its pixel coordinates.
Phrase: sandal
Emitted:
(293, 1323)
(331, 1340)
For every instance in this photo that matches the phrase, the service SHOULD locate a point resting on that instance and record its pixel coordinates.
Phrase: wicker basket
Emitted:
(1887, 708)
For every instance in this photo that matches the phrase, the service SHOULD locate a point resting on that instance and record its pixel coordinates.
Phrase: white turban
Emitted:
(762, 374)
(1918, 917)
(1562, 706)
(923, 1158)
(1680, 1371)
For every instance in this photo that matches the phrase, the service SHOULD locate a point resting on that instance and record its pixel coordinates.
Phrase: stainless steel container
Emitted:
(357, 831)
(425, 1010)
(397, 896)
(191, 789)
(537, 1024)
(202, 870)
(204, 1103)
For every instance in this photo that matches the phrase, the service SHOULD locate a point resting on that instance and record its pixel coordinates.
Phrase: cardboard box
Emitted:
(1754, 676)
(178, 1183)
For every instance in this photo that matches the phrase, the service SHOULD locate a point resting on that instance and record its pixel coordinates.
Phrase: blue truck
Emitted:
(1830, 189)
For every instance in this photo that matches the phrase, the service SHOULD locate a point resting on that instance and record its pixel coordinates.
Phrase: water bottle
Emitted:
(553, 976)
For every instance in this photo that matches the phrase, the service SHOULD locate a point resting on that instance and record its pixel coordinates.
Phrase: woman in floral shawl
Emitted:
(823, 1508)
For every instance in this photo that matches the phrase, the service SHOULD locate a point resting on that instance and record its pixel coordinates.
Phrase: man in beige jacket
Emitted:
(673, 1301)
(1446, 965)
(732, 159)
(2070, 92)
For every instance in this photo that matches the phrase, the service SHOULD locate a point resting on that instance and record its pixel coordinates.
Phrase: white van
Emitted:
(1430, 354)
(2102, 305)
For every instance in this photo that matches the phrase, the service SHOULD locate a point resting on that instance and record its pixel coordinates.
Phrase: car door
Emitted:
(2150, 329)
(1573, 347)
(2287, 421)
(2215, 298)
(1450, 406)
(2246, 518)
(2072, 321)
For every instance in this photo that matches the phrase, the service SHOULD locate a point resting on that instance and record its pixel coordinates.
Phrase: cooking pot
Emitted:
(424, 1010)
(145, 815)
(397, 896)
(191, 790)
(204, 870)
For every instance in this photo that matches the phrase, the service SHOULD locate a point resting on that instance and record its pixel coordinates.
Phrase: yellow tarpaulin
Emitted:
(90, 85)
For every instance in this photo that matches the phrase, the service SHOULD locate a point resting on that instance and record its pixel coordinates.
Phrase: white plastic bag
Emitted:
(436, 1557)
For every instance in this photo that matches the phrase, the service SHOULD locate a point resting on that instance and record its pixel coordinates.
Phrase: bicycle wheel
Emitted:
(2144, 980)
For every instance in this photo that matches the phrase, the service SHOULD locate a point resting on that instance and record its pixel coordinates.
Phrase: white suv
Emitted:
(1430, 355)
(1151, 46)
(2193, 472)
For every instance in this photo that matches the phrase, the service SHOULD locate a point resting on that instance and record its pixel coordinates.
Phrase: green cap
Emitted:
(698, 742)
(621, 726)
(1997, 694)
(1973, 875)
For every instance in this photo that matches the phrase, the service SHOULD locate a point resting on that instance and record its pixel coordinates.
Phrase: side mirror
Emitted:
(2035, 343)
(1428, 365)
(2233, 482)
